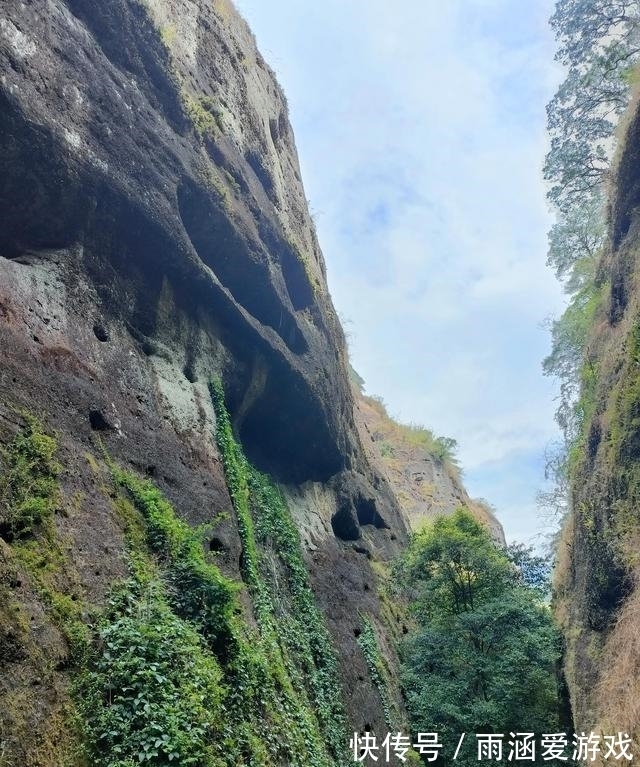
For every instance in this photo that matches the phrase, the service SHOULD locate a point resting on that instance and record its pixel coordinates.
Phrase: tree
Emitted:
(533, 570)
(599, 42)
(585, 27)
(483, 655)
(576, 241)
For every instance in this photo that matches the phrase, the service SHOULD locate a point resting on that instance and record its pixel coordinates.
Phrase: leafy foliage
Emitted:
(268, 716)
(152, 694)
(575, 243)
(175, 675)
(172, 673)
(533, 570)
(199, 592)
(205, 114)
(568, 358)
(482, 658)
(442, 448)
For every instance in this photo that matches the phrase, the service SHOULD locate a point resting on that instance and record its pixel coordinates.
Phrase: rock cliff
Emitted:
(597, 593)
(423, 473)
(154, 240)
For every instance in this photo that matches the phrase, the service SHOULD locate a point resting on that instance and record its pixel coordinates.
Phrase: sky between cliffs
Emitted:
(420, 126)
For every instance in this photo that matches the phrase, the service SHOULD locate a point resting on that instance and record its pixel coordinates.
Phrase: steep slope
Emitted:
(155, 237)
(163, 314)
(420, 469)
(597, 572)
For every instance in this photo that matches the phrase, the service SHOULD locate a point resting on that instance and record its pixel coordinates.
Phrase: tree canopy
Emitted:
(482, 656)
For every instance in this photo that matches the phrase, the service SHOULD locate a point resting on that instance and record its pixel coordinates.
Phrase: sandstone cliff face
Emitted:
(597, 593)
(154, 237)
(426, 484)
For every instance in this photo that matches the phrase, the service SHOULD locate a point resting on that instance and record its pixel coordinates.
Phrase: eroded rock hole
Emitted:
(98, 421)
(618, 300)
(100, 333)
(190, 374)
(216, 545)
(595, 435)
(6, 533)
(357, 632)
(273, 130)
(367, 513)
(344, 524)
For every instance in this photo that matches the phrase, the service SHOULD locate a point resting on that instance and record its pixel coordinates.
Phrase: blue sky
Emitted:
(420, 127)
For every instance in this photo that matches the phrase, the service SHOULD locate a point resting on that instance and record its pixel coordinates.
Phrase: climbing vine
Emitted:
(290, 623)
(369, 646)
(266, 716)
(172, 671)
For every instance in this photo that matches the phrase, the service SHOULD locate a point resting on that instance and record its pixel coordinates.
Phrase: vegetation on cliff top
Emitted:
(442, 449)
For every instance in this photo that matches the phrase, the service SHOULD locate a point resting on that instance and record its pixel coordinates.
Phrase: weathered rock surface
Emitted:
(597, 593)
(154, 234)
(424, 484)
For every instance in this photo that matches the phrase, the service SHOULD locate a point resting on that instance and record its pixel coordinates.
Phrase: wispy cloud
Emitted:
(420, 128)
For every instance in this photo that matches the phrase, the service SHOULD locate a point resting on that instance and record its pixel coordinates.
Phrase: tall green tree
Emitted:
(482, 657)
(599, 43)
